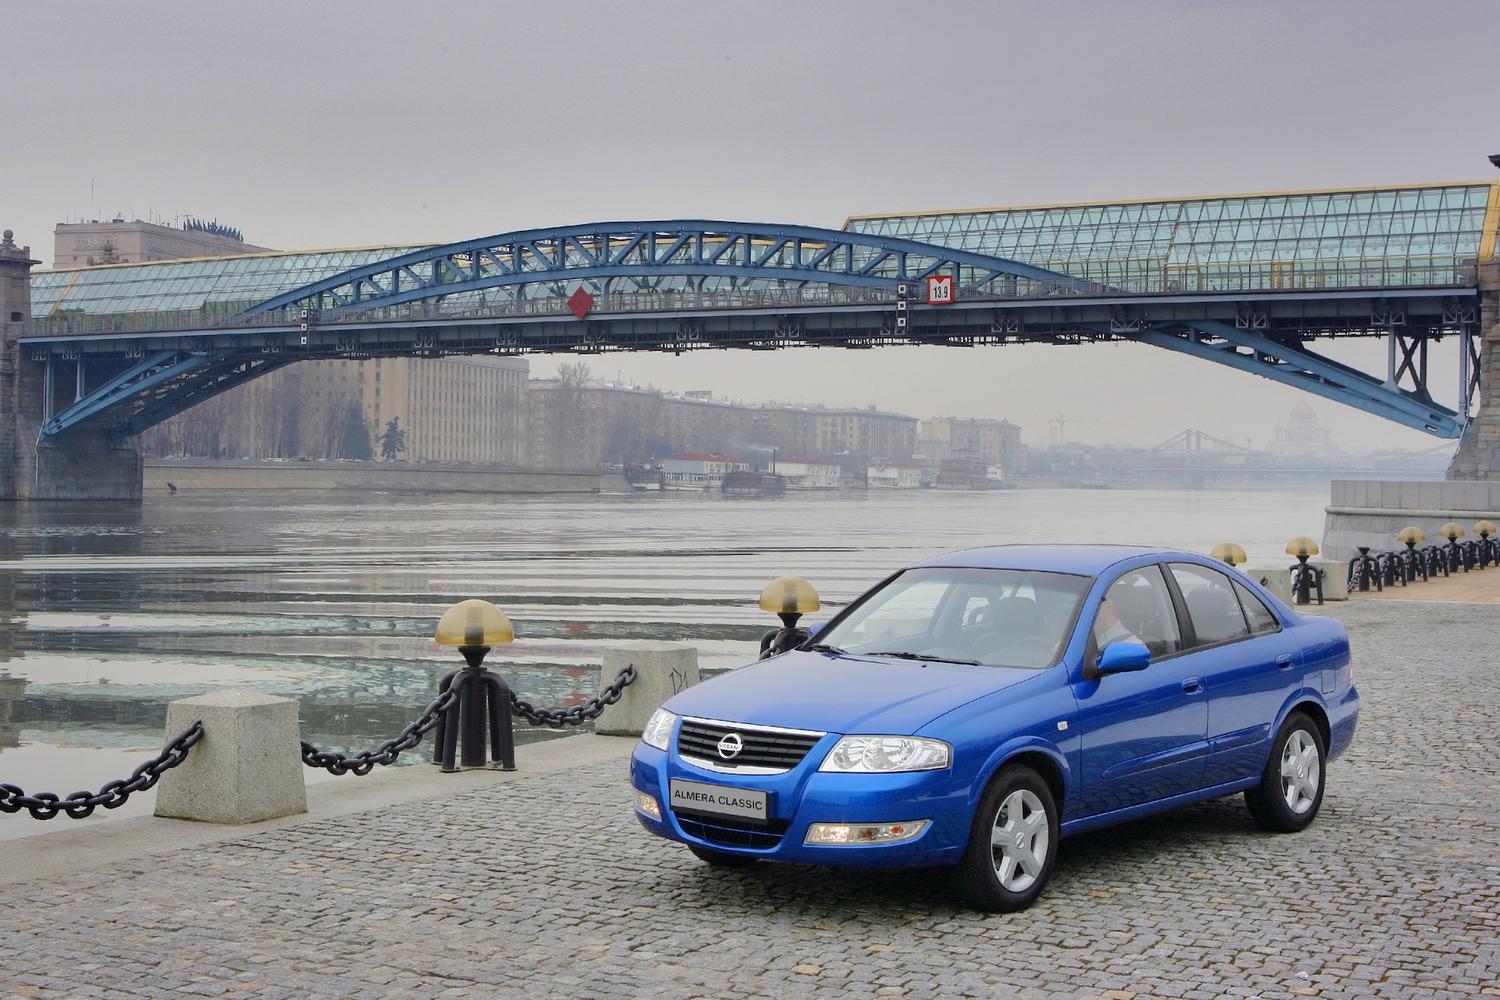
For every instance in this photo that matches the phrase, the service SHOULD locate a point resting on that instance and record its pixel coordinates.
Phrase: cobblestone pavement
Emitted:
(547, 887)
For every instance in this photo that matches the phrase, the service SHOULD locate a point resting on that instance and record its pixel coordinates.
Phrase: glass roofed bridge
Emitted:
(1249, 281)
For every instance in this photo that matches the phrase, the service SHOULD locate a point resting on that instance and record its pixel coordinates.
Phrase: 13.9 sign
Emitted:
(940, 289)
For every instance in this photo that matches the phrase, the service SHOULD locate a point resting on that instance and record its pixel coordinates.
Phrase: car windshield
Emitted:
(996, 617)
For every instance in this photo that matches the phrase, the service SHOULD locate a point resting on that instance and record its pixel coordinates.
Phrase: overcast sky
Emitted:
(333, 123)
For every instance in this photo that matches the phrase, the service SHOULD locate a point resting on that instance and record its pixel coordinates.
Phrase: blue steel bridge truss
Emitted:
(691, 285)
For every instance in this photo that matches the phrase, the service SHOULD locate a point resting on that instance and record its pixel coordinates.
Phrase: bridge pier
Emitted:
(1478, 455)
(82, 465)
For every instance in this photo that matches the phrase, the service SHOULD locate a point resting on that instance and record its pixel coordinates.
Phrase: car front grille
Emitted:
(728, 832)
(764, 747)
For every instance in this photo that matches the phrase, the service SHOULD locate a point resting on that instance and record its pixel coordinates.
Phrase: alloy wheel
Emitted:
(1018, 840)
(1301, 770)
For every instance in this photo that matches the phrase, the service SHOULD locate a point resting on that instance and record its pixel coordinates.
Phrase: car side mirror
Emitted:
(813, 628)
(1123, 657)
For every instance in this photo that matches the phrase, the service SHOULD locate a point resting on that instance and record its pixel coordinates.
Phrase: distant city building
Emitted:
(1302, 435)
(989, 442)
(578, 425)
(464, 409)
(116, 241)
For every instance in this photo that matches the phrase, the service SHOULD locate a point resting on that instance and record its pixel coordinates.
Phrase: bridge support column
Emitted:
(82, 465)
(1478, 454)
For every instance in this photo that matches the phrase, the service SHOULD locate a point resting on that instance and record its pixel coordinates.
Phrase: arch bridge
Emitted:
(691, 285)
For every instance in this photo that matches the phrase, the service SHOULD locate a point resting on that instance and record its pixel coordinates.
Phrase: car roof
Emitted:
(1088, 560)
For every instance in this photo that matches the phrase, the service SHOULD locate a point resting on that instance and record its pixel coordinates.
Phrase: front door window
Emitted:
(1137, 607)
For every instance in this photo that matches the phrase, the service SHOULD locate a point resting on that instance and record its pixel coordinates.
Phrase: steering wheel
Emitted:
(1016, 649)
(977, 615)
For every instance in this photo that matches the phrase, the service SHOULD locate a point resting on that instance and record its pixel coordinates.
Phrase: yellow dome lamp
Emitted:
(1305, 578)
(1228, 553)
(1302, 547)
(1411, 536)
(474, 627)
(788, 597)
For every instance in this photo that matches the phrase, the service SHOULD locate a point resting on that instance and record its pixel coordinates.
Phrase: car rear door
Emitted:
(1246, 660)
(1144, 733)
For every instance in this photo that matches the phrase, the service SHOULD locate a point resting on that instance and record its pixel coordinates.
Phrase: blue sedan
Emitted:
(972, 710)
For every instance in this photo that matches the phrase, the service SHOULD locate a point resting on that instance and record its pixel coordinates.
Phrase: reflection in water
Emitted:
(107, 613)
(11, 690)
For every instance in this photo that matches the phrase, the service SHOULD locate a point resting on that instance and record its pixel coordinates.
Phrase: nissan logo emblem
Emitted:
(730, 746)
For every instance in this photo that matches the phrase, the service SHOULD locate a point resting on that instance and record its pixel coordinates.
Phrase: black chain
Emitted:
(45, 805)
(364, 761)
(578, 714)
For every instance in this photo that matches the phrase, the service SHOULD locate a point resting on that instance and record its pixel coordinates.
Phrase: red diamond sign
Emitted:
(580, 302)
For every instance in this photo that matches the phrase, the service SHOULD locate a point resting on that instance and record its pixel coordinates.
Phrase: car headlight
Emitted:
(887, 753)
(658, 729)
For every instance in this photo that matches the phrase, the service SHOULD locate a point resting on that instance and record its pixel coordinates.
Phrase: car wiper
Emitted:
(905, 655)
(823, 647)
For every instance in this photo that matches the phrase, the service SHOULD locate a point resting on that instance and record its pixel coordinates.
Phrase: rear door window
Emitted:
(1211, 603)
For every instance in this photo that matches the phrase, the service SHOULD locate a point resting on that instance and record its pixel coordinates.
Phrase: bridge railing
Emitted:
(1110, 278)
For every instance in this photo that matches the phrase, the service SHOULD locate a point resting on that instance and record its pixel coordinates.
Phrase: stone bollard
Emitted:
(662, 670)
(1276, 579)
(247, 767)
(1335, 579)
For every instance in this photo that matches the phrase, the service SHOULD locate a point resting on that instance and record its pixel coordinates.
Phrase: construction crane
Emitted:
(1057, 427)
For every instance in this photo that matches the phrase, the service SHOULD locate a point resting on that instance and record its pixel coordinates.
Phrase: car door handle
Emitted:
(1284, 661)
(1192, 685)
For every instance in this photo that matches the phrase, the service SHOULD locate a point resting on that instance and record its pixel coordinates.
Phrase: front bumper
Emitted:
(803, 796)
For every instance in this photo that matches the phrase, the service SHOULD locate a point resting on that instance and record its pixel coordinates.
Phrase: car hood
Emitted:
(842, 694)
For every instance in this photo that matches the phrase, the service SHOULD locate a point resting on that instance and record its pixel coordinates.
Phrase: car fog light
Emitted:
(855, 835)
(647, 804)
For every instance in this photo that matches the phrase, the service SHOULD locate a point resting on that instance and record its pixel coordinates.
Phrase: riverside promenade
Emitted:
(540, 884)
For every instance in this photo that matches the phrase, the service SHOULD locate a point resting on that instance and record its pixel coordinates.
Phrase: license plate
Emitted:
(720, 800)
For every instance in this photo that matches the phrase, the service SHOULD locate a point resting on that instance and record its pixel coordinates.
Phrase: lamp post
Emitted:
(1411, 563)
(789, 598)
(1305, 578)
(475, 627)
(1488, 552)
(1453, 531)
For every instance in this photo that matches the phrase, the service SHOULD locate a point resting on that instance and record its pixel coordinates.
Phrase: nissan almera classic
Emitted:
(972, 710)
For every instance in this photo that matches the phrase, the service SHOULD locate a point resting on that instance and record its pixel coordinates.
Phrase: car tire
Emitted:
(1291, 787)
(1004, 876)
(721, 859)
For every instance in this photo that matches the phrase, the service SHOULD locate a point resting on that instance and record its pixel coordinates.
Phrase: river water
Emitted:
(109, 612)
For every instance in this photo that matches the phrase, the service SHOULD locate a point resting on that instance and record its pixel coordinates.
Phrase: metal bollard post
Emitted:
(1452, 553)
(1489, 552)
(1305, 578)
(1363, 570)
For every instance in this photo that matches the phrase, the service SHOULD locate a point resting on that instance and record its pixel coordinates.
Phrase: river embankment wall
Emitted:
(1370, 512)
(192, 474)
